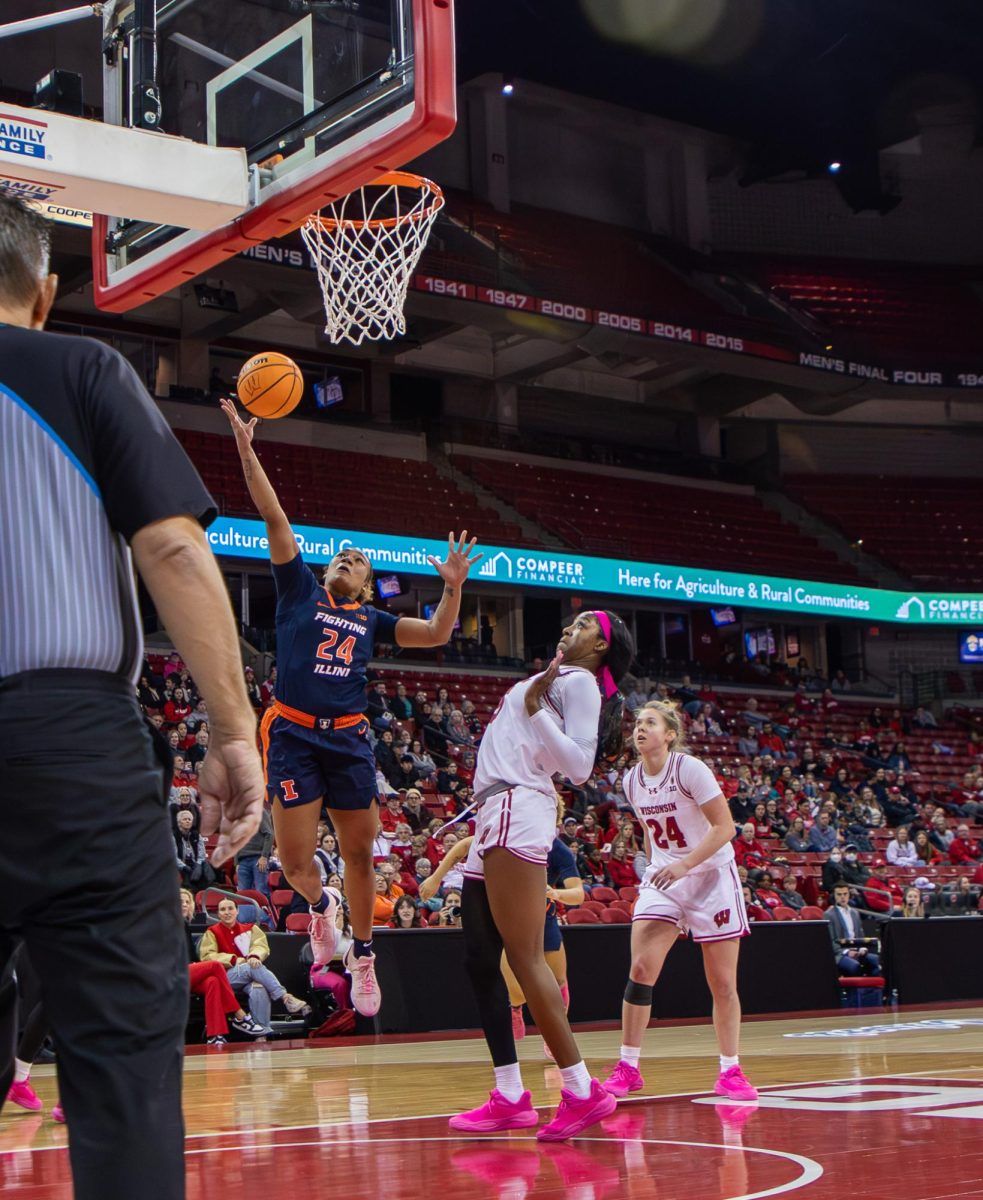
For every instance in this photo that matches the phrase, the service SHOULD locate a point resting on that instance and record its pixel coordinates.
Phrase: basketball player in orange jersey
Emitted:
(691, 882)
(557, 722)
(315, 734)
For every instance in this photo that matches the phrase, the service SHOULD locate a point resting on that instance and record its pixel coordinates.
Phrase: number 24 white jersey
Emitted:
(669, 806)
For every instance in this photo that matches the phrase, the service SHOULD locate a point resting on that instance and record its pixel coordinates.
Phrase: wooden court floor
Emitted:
(852, 1105)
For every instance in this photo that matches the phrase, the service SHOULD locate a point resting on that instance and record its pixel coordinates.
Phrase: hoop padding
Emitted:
(365, 247)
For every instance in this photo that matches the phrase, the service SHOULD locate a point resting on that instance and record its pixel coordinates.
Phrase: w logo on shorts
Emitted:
(721, 918)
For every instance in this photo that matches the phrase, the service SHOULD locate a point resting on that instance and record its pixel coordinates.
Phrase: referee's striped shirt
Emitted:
(86, 460)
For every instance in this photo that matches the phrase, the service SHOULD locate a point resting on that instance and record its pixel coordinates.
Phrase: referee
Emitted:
(91, 481)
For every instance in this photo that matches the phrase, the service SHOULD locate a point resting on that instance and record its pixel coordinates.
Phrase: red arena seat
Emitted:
(582, 916)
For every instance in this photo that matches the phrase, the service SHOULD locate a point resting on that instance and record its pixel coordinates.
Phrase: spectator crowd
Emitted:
(828, 807)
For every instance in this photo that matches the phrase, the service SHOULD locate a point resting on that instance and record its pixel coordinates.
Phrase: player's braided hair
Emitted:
(618, 659)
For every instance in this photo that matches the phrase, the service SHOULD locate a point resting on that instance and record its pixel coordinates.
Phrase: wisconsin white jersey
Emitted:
(669, 806)
(526, 751)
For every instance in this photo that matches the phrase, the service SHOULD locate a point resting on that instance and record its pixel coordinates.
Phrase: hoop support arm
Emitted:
(30, 24)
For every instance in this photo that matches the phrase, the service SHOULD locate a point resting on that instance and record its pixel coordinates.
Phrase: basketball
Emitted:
(270, 385)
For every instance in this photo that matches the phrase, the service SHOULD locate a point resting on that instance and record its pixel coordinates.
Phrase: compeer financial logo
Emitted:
(533, 568)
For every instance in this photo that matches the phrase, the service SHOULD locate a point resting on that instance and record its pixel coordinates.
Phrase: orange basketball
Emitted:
(270, 385)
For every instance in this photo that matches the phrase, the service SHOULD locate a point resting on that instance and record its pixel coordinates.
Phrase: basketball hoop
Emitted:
(365, 247)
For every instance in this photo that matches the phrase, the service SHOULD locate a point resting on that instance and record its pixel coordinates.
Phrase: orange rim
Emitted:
(391, 179)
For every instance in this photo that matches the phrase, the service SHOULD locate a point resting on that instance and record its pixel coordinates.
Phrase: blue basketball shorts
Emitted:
(307, 765)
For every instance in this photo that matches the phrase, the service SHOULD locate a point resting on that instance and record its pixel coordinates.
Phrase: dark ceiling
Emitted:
(810, 80)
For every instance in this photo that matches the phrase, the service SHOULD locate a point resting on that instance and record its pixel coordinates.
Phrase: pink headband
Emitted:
(604, 676)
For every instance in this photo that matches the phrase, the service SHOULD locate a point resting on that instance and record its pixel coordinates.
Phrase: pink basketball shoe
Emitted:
(497, 1114)
(24, 1096)
(624, 1078)
(575, 1115)
(366, 996)
(733, 1084)
(58, 1113)
(323, 931)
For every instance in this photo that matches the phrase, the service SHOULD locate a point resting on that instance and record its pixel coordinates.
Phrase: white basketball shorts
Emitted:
(520, 820)
(708, 904)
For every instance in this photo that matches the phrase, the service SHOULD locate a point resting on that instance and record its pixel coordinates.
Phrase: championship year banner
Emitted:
(239, 538)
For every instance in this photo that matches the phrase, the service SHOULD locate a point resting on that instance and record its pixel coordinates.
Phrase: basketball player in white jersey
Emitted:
(691, 884)
(550, 724)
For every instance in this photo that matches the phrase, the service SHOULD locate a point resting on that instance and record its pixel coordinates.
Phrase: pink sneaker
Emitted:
(366, 996)
(735, 1116)
(733, 1084)
(624, 1078)
(497, 1114)
(518, 1023)
(575, 1115)
(510, 1172)
(58, 1114)
(24, 1096)
(323, 931)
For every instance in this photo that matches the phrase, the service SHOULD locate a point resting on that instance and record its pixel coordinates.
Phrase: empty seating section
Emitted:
(897, 310)
(927, 528)
(563, 258)
(360, 491)
(657, 522)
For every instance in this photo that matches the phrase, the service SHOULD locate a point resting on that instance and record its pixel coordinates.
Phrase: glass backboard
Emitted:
(324, 95)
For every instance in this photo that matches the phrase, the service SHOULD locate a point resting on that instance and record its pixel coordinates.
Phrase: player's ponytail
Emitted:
(617, 659)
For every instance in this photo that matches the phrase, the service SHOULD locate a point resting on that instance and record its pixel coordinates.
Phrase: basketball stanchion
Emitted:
(365, 247)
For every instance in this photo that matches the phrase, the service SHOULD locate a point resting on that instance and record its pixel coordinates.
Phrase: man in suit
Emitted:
(844, 926)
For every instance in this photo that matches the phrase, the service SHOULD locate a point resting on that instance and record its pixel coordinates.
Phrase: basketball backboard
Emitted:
(323, 95)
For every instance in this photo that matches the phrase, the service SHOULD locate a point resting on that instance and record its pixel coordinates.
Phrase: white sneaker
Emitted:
(296, 1008)
(247, 1026)
(366, 996)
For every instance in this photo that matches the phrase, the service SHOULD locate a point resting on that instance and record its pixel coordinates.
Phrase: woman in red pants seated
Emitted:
(208, 979)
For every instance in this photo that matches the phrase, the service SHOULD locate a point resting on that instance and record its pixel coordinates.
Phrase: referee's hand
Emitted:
(231, 789)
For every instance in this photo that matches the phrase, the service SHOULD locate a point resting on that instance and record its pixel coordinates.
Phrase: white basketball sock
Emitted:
(726, 1062)
(631, 1055)
(576, 1079)
(508, 1080)
(22, 1071)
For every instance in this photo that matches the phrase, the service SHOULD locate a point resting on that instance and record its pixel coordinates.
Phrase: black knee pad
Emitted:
(638, 993)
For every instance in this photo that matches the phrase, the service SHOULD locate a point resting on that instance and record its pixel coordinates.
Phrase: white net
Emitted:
(365, 247)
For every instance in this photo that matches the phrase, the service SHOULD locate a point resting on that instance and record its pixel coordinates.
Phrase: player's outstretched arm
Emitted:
(454, 571)
(457, 853)
(283, 544)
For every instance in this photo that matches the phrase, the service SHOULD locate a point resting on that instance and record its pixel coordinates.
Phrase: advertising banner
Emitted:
(573, 572)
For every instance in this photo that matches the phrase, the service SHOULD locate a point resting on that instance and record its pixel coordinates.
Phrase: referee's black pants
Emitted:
(88, 881)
